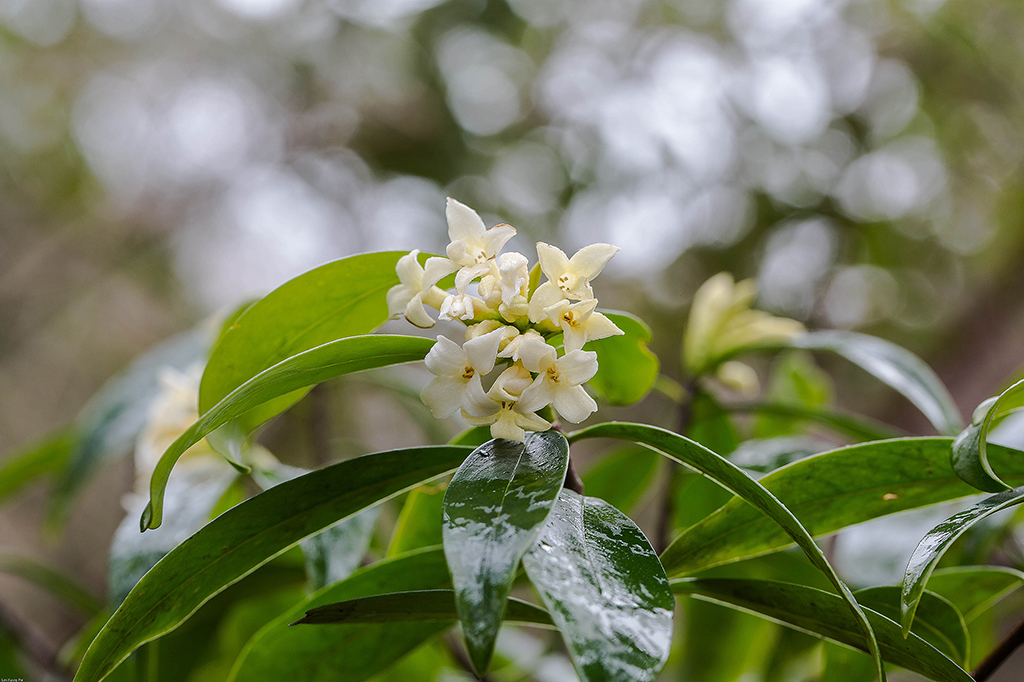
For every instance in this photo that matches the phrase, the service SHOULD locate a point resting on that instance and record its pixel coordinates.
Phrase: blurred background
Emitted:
(162, 160)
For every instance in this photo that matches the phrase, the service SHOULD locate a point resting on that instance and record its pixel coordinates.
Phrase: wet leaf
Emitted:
(975, 589)
(970, 449)
(938, 621)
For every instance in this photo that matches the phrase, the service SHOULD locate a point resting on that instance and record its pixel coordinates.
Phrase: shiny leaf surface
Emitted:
(830, 491)
(938, 621)
(605, 590)
(975, 589)
(935, 543)
(627, 369)
(417, 605)
(824, 614)
(494, 508)
(305, 369)
(970, 449)
(250, 534)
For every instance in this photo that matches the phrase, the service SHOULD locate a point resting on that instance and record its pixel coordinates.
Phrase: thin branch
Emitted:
(999, 654)
(39, 650)
(663, 527)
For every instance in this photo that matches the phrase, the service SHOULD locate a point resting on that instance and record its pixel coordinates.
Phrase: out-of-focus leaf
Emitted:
(622, 477)
(44, 458)
(305, 369)
(352, 652)
(343, 298)
(249, 535)
(798, 381)
(847, 665)
(605, 590)
(731, 477)
(494, 508)
(830, 491)
(895, 366)
(335, 552)
(934, 544)
(824, 614)
(419, 522)
(938, 621)
(970, 449)
(475, 436)
(414, 605)
(767, 454)
(627, 369)
(56, 583)
(857, 426)
(10, 662)
(975, 589)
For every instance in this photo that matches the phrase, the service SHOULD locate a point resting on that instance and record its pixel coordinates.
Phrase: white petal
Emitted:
(483, 350)
(409, 270)
(443, 395)
(436, 269)
(398, 298)
(468, 274)
(531, 422)
(537, 395)
(574, 338)
(475, 402)
(553, 261)
(496, 237)
(446, 358)
(510, 384)
(589, 261)
(506, 427)
(417, 314)
(480, 421)
(577, 367)
(600, 327)
(574, 404)
(547, 295)
(464, 224)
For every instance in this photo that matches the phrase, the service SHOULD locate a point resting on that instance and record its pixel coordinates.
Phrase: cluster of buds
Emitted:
(512, 330)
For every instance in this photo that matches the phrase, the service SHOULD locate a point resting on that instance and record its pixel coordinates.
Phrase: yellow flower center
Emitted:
(566, 282)
(468, 372)
(553, 373)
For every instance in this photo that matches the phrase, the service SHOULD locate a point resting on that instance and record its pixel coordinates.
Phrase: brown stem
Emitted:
(1000, 654)
(572, 479)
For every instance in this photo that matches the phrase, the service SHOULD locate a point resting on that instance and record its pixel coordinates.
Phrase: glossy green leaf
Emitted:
(824, 614)
(350, 652)
(768, 454)
(305, 369)
(335, 552)
(627, 369)
(43, 458)
(827, 492)
(605, 590)
(415, 605)
(56, 583)
(731, 477)
(975, 589)
(935, 543)
(419, 522)
(494, 508)
(970, 449)
(895, 366)
(343, 298)
(938, 621)
(622, 477)
(250, 534)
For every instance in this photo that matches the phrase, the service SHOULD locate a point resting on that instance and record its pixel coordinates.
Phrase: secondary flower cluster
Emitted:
(510, 326)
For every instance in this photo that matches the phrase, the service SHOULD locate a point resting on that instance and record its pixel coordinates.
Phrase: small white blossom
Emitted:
(461, 307)
(508, 333)
(501, 408)
(507, 285)
(457, 371)
(581, 323)
(472, 243)
(417, 286)
(559, 385)
(530, 348)
(567, 277)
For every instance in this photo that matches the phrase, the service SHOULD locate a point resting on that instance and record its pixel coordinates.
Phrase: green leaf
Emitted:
(43, 458)
(627, 369)
(343, 298)
(351, 652)
(622, 477)
(854, 425)
(249, 535)
(895, 366)
(414, 605)
(56, 583)
(305, 369)
(768, 454)
(935, 543)
(604, 588)
(494, 508)
(938, 621)
(731, 477)
(419, 522)
(970, 449)
(975, 589)
(821, 613)
(827, 492)
(335, 552)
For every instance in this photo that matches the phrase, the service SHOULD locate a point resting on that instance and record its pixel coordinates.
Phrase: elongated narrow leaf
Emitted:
(734, 479)
(974, 589)
(823, 614)
(249, 535)
(938, 621)
(305, 369)
(416, 605)
(44, 458)
(830, 491)
(494, 508)
(343, 298)
(622, 477)
(970, 449)
(854, 425)
(627, 369)
(56, 583)
(604, 588)
(349, 652)
(419, 523)
(897, 367)
(935, 543)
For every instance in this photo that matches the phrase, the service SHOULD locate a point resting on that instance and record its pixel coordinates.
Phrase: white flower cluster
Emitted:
(509, 327)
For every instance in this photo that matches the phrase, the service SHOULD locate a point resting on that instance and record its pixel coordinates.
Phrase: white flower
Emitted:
(501, 409)
(457, 371)
(461, 306)
(529, 348)
(417, 286)
(567, 277)
(508, 333)
(581, 323)
(472, 243)
(558, 385)
(507, 285)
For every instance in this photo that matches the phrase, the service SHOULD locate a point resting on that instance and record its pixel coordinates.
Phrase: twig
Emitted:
(1000, 654)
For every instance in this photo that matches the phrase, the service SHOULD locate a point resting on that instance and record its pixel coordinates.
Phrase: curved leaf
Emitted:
(935, 543)
(45, 457)
(350, 652)
(627, 369)
(305, 369)
(494, 508)
(621, 478)
(415, 605)
(346, 297)
(605, 590)
(823, 614)
(938, 621)
(895, 366)
(830, 491)
(419, 522)
(974, 589)
(56, 583)
(854, 425)
(734, 479)
(970, 449)
(250, 534)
